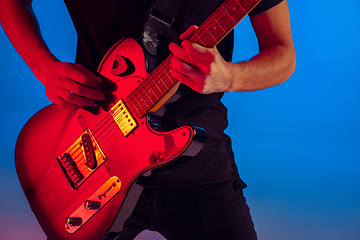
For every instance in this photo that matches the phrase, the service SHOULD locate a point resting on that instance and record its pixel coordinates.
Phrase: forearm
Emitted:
(268, 68)
(276, 59)
(20, 25)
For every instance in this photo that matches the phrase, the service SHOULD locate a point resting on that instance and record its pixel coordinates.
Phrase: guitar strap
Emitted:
(159, 20)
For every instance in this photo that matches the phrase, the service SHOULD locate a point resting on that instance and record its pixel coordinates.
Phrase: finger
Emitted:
(64, 104)
(74, 99)
(197, 50)
(183, 55)
(83, 76)
(188, 81)
(88, 72)
(61, 102)
(186, 69)
(188, 33)
(81, 90)
(188, 75)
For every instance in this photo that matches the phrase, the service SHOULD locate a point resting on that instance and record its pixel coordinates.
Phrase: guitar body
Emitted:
(52, 134)
(79, 169)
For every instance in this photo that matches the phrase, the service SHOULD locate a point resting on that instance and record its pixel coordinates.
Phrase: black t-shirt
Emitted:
(101, 23)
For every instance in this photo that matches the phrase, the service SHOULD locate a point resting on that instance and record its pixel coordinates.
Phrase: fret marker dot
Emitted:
(214, 28)
(234, 8)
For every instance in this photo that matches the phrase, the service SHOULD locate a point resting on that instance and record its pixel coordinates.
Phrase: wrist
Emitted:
(41, 64)
(234, 75)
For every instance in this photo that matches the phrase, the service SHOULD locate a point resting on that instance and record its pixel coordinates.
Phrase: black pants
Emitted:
(212, 211)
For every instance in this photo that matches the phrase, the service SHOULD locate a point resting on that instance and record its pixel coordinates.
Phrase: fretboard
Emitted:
(152, 89)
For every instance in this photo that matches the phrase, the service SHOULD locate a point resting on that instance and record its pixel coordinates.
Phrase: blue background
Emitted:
(296, 145)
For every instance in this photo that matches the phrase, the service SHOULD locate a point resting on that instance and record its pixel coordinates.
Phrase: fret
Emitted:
(161, 84)
(151, 93)
(149, 102)
(197, 38)
(137, 103)
(155, 88)
(167, 69)
(226, 21)
(130, 103)
(164, 77)
(169, 81)
(211, 33)
(217, 31)
(235, 10)
(208, 39)
(230, 16)
(141, 99)
(218, 24)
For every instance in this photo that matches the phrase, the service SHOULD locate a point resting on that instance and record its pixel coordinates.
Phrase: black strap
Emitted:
(167, 8)
(160, 18)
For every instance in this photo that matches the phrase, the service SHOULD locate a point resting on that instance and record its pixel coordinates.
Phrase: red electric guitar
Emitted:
(79, 169)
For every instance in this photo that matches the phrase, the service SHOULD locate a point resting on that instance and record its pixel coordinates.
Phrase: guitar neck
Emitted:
(208, 34)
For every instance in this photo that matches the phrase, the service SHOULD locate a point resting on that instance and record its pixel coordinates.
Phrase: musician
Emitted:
(201, 198)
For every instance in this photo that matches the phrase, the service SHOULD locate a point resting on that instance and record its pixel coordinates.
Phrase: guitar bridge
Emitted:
(81, 159)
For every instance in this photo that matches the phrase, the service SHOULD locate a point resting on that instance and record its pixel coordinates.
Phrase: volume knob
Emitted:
(90, 205)
(73, 221)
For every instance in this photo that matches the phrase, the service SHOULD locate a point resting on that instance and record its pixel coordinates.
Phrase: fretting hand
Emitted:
(202, 69)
